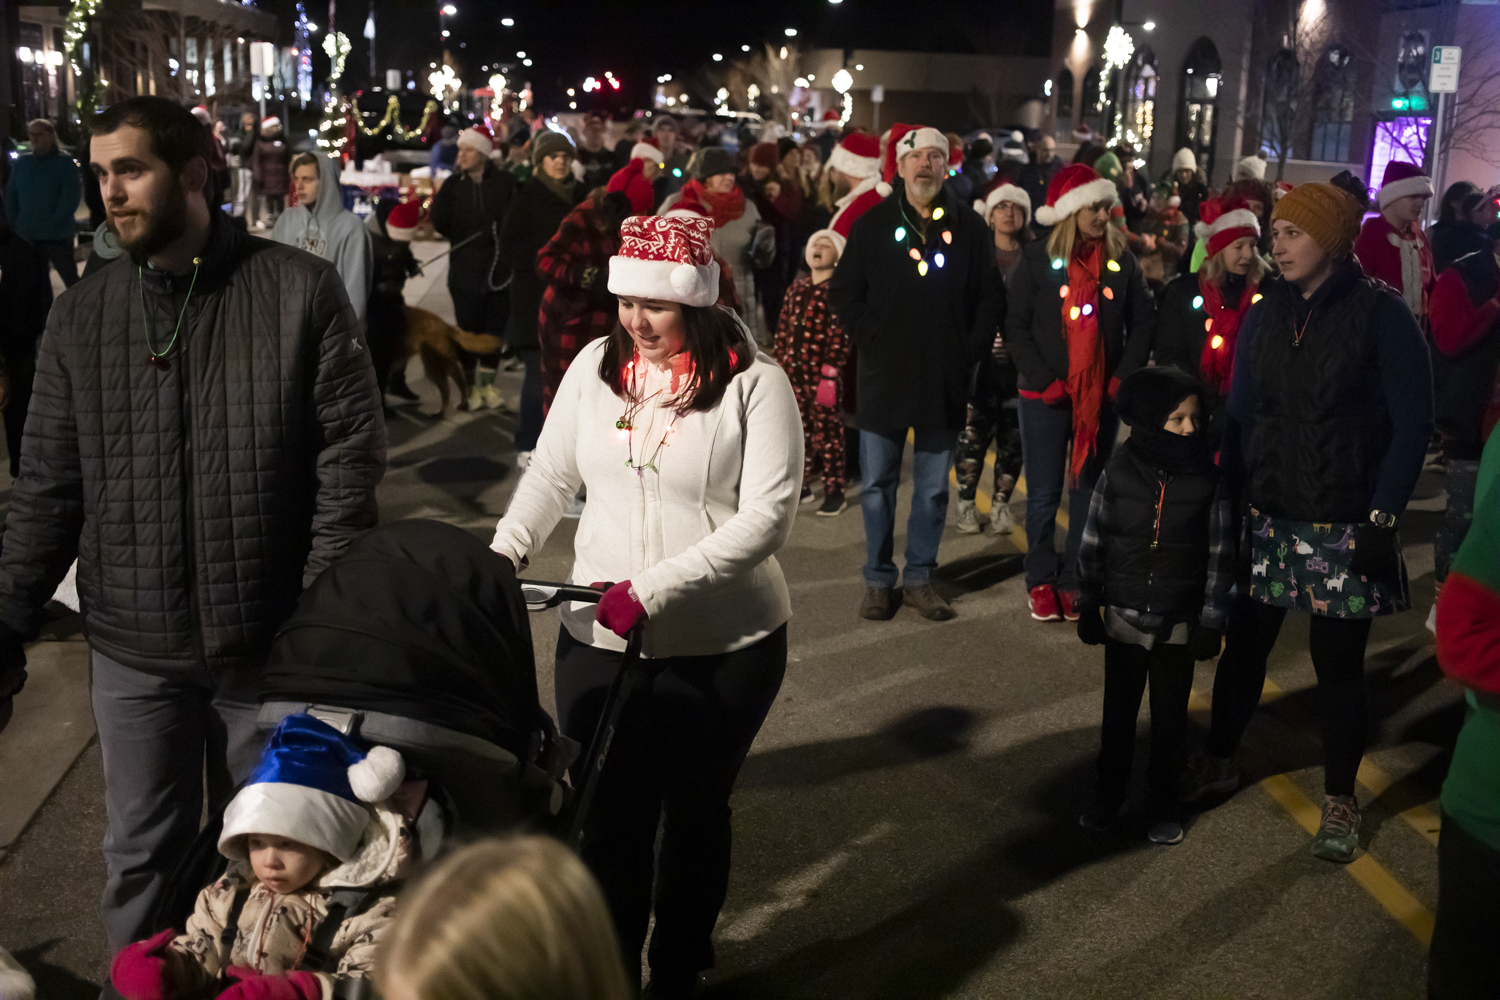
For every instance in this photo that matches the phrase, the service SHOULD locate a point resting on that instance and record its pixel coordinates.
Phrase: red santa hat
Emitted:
(832, 236)
(201, 113)
(1224, 220)
(903, 139)
(955, 152)
(1074, 188)
(271, 122)
(1401, 180)
(666, 258)
(644, 150)
(831, 115)
(857, 154)
(478, 138)
(401, 224)
(1001, 190)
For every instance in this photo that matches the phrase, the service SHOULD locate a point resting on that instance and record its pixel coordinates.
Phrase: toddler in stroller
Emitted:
(317, 841)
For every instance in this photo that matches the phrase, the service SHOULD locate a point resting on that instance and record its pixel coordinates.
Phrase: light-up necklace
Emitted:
(904, 234)
(158, 359)
(626, 424)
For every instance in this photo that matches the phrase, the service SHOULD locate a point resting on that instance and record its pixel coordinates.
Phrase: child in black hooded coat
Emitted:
(1155, 568)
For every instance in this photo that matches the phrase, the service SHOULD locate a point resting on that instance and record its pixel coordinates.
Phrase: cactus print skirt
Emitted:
(1304, 565)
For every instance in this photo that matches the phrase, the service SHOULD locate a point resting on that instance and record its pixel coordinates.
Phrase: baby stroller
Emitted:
(418, 639)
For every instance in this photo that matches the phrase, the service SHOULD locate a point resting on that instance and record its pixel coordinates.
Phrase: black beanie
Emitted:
(713, 160)
(1149, 395)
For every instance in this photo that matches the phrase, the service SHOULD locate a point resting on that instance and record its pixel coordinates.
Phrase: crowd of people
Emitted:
(707, 330)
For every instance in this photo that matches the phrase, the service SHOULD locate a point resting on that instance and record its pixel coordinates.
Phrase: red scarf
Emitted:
(1087, 376)
(722, 208)
(1222, 327)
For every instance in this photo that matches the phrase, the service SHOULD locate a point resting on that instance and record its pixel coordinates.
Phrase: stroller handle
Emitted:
(541, 595)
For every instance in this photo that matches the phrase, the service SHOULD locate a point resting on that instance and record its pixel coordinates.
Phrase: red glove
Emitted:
(140, 973)
(1114, 387)
(619, 609)
(1056, 393)
(252, 985)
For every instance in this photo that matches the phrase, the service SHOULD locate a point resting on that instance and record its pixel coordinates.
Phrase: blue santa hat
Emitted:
(312, 786)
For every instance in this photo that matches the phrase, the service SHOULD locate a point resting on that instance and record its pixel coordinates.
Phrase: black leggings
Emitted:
(1338, 654)
(1126, 670)
(676, 754)
(1463, 963)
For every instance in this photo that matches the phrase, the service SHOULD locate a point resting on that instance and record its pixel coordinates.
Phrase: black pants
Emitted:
(1127, 668)
(676, 754)
(529, 420)
(60, 253)
(1464, 963)
(385, 326)
(478, 310)
(1338, 654)
(20, 361)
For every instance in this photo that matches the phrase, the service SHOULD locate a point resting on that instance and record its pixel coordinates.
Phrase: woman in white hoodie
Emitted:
(689, 444)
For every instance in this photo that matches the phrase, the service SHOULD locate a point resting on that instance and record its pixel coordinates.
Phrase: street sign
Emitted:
(877, 94)
(262, 59)
(1442, 78)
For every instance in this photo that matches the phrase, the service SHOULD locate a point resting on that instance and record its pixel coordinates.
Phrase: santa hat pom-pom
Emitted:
(377, 777)
(684, 278)
(1174, 201)
(1045, 216)
(883, 189)
(979, 205)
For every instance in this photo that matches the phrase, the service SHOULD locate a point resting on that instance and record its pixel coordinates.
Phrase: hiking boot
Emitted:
(1165, 831)
(1338, 833)
(880, 603)
(1002, 521)
(928, 602)
(1069, 603)
(1102, 814)
(1042, 603)
(968, 518)
(833, 505)
(1208, 775)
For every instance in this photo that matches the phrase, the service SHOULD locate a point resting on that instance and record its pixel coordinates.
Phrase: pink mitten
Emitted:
(620, 610)
(139, 972)
(828, 387)
(251, 985)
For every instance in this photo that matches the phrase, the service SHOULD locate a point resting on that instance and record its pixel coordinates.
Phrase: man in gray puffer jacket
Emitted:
(205, 436)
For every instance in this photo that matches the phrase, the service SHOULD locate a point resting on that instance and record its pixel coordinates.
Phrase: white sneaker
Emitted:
(968, 518)
(1002, 521)
(492, 398)
(476, 399)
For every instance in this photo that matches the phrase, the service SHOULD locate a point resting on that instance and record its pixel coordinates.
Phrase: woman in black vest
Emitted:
(1329, 415)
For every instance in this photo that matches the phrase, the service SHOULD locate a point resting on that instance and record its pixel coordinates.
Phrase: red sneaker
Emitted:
(1069, 602)
(1042, 603)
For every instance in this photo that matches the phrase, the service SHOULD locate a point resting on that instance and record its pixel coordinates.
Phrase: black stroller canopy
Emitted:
(419, 619)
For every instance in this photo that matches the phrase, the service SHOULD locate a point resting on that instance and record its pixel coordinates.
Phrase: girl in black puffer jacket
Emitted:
(1155, 566)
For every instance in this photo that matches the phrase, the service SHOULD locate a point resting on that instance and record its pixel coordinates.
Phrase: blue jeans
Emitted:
(880, 466)
(1045, 434)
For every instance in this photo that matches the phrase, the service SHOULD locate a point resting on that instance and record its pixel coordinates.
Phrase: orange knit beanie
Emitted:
(1326, 213)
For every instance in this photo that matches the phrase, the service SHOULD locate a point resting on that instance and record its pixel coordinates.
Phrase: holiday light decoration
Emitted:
(336, 46)
(1118, 48)
(392, 120)
(75, 25)
(445, 86)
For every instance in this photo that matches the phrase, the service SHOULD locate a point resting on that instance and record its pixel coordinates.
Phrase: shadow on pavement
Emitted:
(931, 732)
(54, 982)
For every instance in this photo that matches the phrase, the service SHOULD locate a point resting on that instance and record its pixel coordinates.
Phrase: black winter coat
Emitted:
(918, 337)
(533, 220)
(1156, 553)
(462, 208)
(200, 498)
(1452, 240)
(1033, 325)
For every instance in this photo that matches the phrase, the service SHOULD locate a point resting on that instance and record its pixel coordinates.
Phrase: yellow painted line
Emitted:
(1406, 908)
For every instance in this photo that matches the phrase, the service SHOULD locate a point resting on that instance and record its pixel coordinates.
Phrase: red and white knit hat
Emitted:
(857, 154)
(477, 137)
(1222, 221)
(831, 235)
(1075, 187)
(667, 259)
(401, 224)
(1002, 191)
(1401, 180)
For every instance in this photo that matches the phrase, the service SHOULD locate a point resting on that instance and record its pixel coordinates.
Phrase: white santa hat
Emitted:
(666, 258)
(1184, 159)
(1402, 180)
(313, 785)
(1075, 187)
(832, 236)
(645, 151)
(999, 193)
(477, 137)
(1250, 168)
(857, 154)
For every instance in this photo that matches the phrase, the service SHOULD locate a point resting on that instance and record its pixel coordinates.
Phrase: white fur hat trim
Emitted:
(855, 166)
(1005, 192)
(831, 236)
(645, 151)
(1418, 184)
(1075, 200)
(665, 280)
(307, 815)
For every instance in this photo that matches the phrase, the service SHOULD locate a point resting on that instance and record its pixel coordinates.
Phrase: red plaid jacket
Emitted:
(576, 306)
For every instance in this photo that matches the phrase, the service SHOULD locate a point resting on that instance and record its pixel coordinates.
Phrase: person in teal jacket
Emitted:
(42, 196)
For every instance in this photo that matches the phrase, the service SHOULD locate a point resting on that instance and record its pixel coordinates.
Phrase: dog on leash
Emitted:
(436, 343)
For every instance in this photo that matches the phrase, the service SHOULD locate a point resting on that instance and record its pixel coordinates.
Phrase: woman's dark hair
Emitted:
(1458, 201)
(176, 136)
(1354, 186)
(711, 337)
(1088, 154)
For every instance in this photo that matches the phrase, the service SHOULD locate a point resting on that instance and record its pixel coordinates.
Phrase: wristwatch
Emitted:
(1381, 519)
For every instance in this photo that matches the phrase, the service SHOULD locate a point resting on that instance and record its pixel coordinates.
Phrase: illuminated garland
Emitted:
(393, 121)
(75, 25)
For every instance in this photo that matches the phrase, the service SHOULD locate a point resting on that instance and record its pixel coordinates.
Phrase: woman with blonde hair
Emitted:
(513, 919)
(1201, 313)
(1080, 319)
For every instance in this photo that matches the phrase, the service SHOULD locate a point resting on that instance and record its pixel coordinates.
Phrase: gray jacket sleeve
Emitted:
(350, 425)
(46, 501)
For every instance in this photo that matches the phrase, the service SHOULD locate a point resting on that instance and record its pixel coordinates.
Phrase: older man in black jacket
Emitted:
(919, 293)
(205, 436)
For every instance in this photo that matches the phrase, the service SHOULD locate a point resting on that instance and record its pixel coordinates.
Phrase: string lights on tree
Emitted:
(1118, 48)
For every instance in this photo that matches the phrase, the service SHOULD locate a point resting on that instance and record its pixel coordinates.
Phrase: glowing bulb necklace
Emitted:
(158, 359)
(626, 425)
(903, 235)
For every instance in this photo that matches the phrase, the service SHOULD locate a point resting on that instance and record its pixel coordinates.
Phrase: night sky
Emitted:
(638, 41)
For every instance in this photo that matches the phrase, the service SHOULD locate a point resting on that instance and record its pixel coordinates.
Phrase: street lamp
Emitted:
(791, 32)
(450, 10)
(507, 22)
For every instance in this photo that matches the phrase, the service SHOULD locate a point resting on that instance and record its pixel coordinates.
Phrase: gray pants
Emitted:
(159, 736)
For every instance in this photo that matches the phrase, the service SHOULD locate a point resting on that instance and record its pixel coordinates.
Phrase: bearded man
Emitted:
(919, 294)
(205, 436)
